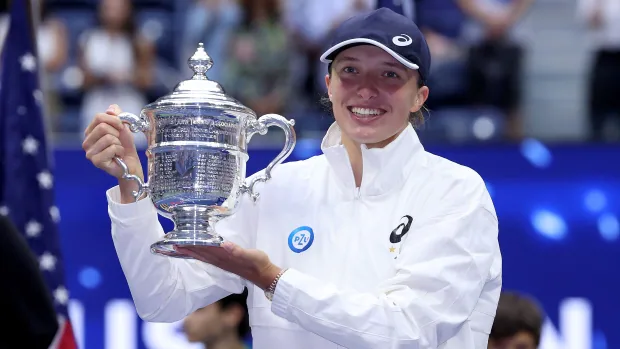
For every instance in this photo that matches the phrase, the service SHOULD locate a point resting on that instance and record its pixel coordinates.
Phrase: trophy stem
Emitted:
(193, 226)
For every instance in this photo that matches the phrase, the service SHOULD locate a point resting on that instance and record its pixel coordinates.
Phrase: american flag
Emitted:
(26, 191)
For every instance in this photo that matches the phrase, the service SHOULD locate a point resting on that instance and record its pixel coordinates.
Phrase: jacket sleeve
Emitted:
(167, 289)
(444, 264)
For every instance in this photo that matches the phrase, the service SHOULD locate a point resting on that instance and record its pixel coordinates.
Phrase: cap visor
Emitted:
(345, 43)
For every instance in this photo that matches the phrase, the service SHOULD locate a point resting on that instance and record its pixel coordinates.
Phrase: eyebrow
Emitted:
(347, 59)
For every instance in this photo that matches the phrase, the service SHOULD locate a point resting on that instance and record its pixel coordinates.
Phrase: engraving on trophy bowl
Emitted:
(205, 176)
(198, 125)
(198, 159)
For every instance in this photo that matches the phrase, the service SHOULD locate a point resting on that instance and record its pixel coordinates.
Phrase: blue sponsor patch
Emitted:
(300, 239)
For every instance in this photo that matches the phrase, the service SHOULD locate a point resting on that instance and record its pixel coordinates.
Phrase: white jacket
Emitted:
(409, 260)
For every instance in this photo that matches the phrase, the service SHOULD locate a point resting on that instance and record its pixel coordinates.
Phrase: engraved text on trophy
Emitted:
(206, 129)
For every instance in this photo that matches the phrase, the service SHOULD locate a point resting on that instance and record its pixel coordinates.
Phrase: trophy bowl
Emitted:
(197, 152)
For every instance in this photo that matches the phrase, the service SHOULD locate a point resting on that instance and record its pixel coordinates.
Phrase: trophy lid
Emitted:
(199, 91)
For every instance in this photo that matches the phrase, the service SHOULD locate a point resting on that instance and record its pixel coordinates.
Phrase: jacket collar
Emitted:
(384, 169)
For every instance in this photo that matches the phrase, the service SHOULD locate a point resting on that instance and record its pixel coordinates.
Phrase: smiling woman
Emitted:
(393, 86)
(376, 243)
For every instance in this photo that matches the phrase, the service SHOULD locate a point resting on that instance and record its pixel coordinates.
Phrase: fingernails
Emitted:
(110, 109)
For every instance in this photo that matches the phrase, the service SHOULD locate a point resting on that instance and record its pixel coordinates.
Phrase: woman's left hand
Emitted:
(251, 264)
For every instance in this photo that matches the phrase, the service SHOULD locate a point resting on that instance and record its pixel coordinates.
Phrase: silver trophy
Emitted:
(197, 153)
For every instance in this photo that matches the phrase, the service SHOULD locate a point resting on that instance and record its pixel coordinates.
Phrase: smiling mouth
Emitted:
(361, 112)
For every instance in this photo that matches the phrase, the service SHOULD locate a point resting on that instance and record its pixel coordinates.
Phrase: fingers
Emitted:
(114, 109)
(199, 255)
(104, 158)
(102, 130)
(109, 117)
(233, 249)
(103, 143)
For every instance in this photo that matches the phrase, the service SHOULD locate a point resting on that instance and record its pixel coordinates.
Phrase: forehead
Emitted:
(367, 52)
(521, 340)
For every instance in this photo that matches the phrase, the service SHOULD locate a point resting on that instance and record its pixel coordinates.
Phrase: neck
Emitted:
(226, 341)
(354, 151)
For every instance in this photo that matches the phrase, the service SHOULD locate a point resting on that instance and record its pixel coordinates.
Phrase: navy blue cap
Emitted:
(394, 33)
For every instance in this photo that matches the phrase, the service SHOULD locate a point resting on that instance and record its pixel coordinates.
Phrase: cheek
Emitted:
(401, 106)
(338, 97)
(340, 94)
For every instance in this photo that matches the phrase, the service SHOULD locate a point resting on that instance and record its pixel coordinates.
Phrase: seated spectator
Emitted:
(53, 52)
(498, 41)
(211, 22)
(601, 19)
(221, 325)
(258, 65)
(116, 62)
(441, 22)
(518, 323)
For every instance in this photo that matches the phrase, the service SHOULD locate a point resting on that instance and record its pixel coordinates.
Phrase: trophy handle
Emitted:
(260, 126)
(136, 124)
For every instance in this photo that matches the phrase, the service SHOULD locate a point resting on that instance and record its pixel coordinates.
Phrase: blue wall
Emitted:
(558, 209)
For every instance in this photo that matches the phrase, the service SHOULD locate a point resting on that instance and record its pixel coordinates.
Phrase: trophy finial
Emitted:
(200, 62)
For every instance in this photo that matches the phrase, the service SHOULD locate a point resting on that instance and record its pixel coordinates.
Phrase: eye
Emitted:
(391, 74)
(349, 70)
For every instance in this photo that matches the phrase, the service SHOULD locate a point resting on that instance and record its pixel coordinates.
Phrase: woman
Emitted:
(257, 70)
(213, 23)
(53, 52)
(602, 21)
(126, 75)
(374, 244)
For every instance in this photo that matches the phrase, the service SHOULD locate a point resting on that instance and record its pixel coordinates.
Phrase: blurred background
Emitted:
(526, 92)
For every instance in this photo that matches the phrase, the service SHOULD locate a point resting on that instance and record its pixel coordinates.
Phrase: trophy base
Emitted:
(193, 226)
(166, 246)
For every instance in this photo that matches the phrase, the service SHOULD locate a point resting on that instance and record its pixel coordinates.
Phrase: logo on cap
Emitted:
(300, 239)
(402, 40)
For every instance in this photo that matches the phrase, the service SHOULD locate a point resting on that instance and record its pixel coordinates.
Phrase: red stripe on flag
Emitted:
(64, 338)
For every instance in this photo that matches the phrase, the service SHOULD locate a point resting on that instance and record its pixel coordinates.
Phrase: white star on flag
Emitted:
(45, 179)
(47, 261)
(4, 211)
(55, 213)
(21, 110)
(28, 62)
(33, 229)
(61, 295)
(30, 145)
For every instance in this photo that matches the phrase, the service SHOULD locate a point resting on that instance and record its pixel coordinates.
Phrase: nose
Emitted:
(366, 89)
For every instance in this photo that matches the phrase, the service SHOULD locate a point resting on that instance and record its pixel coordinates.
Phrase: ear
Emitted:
(327, 84)
(420, 99)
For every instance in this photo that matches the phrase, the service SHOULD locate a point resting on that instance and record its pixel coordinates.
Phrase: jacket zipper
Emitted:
(355, 209)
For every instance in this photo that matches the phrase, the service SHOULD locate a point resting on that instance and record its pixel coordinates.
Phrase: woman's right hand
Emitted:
(106, 138)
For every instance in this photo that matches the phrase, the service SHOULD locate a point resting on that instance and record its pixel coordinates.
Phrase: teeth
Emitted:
(365, 111)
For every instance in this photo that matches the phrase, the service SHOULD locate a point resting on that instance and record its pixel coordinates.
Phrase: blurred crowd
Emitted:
(265, 53)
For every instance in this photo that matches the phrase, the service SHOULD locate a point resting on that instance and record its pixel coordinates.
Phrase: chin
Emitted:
(366, 135)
